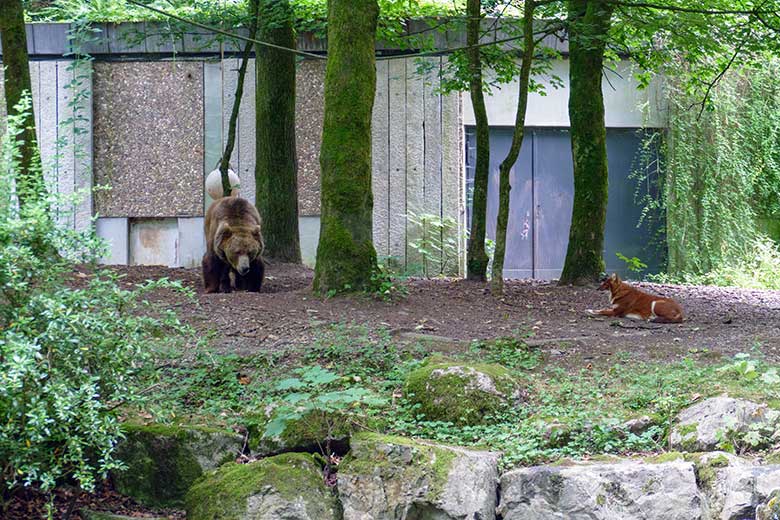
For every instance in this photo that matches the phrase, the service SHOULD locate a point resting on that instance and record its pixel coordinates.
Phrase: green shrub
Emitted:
(70, 345)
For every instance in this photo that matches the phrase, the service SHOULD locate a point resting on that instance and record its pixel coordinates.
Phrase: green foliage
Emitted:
(436, 242)
(385, 286)
(308, 15)
(71, 346)
(721, 175)
(315, 395)
(633, 264)
(509, 352)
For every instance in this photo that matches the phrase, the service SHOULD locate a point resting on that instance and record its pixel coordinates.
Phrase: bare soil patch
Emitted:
(286, 314)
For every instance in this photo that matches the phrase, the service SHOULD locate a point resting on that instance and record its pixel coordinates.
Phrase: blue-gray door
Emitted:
(542, 195)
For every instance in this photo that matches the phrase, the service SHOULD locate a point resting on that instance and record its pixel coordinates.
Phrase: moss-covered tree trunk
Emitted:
(346, 257)
(477, 259)
(276, 167)
(589, 22)
(16, 81)
(230, 143)
(504, 186)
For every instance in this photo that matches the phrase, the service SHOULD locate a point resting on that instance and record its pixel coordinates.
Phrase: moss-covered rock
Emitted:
(289, 486)
(163, 461)
(460, 392)
(392, 477)
(310, 433)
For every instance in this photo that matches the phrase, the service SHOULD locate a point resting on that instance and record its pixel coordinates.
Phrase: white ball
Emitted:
(214, 184)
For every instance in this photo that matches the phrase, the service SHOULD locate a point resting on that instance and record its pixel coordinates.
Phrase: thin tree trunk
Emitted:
(276, 168)
(16, 80)
(477, 259)
(504, 186)
(589, 22)
(346, 258)
(224, 163)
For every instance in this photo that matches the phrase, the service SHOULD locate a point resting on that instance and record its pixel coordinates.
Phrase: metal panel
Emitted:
(212, 120)
(114, 230)
(554, 196)
(397, 157)
(380, 170)
(246, 140)
(50, 38)
(192, 242)
(82, 142)
(623, 211)
(432, 134)
(552, 199)
(519, 248)
(154, 241)
(66, 155)
(309, 231)
(415, 161)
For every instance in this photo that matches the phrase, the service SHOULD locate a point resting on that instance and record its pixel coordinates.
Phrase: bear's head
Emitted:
(238, 245)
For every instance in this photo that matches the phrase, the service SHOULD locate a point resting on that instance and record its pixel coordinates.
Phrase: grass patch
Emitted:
(564, 414)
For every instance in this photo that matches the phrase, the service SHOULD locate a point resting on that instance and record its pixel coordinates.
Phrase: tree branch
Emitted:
(692, 10)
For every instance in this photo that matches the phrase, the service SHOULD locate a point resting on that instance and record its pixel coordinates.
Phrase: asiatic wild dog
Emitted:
(630, 302)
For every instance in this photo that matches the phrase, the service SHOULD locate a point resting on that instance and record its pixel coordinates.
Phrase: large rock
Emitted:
(163, 461)
(394, 478)
(700, 427)
(737, 492)
(311, 433)
(622, 491)
(290, 486)
(460, 392)
(770, 509)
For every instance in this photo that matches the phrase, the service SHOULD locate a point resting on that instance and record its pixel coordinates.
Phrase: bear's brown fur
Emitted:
(234, 246)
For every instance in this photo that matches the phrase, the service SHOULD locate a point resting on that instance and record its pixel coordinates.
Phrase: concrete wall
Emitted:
(61, 95)
(625, 106)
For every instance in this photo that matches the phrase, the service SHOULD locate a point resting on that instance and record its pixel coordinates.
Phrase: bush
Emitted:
(71, 345)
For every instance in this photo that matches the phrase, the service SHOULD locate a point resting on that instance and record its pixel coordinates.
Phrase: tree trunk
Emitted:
(224, 163)
(276, 168)
(29, 183)
(589, 24)
(477, 260)
(504, 187)
(346, 258)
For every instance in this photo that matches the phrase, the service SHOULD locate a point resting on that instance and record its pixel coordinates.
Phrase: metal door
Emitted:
(542, 196)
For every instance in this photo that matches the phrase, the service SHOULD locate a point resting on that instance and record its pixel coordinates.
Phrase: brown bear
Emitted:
(234, 247)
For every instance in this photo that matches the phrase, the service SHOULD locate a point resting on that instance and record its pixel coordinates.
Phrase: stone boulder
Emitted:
(700, 427)
(290, 486)
(738, 492)
(395, 478)
(163, 461)
(625, 490)
(770, 509)
(311, 433)
(460, 392)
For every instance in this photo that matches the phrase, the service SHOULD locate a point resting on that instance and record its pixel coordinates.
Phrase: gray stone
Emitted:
(289, 486)
(394, 478)
(698, 427)
(739, 490)
(770, 509)
(638, 425)
(621, 491)
(115, 231)
(162, 461)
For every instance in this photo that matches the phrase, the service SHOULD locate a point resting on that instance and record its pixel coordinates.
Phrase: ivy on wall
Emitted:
(720, 186)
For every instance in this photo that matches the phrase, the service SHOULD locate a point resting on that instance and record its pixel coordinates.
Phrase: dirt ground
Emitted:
(286, 314)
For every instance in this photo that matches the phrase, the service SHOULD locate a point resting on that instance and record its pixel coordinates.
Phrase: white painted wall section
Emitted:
(625, 105)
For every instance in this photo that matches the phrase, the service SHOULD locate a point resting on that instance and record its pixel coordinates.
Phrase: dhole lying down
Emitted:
(630, 302)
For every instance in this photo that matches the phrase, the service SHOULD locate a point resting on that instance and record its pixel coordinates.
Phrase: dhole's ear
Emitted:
(223, 232)
(614, 277)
